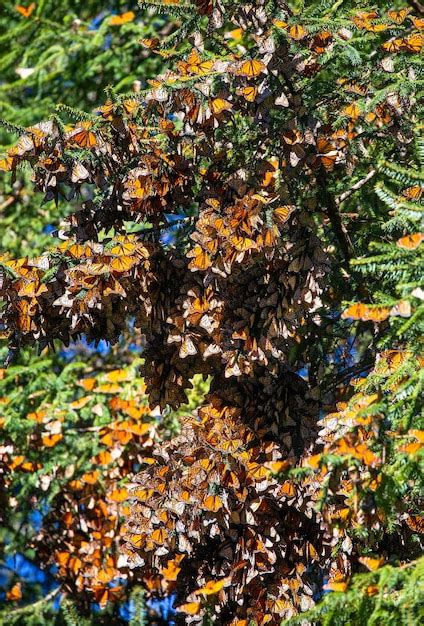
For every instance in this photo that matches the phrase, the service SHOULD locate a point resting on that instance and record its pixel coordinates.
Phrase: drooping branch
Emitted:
(332, 210)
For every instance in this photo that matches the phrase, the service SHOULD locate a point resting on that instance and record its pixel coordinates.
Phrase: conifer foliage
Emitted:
(280, 143)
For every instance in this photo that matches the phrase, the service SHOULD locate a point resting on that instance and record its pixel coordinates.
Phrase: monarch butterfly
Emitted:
(87, 383)
(212, 503)
(90, 478)
(107, 109)
(26, 11)
(171, 571)
(231, 445)
(51, 440)
(242, 244)
(151, 43)
(83, 136)
(277, 606)
(108, 388)
(93, 269)
(103, 458)
(362, 18)
(416, 523)
(32, 288)
(413, 193)
(212, 587)
(117, 376)
(15, 593)
(81, 403)
(414, 42)
(352, 110)
(393, 45)
(363, 312)
(7, 164)
(190, 608)
(201, 260)
(353, 87)
(256, 471)
(26, 311)
(159, 536)
(142, 494)
(335, 585)
(375, 28)
(251, 68)
(136, 429)
(321, 41)
(418, 22)
(120, 436)
(123, 264)
(79, 172)
(292, 137)
(297, 32)
(371, 563)
(410, 242)
(398, 16)
(37, 416)
(235, 34)
(219, 105)
(118, 495)
(76, 250)
(282, 213)
(195, 65)
(327, 154)
(25, 144)
(280, 23)
(287, 489)
(130, 106)
(401, 309)
(124, 18)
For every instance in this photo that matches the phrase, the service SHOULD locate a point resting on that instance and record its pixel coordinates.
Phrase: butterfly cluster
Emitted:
(227, 146)
(85, 499)
(211, 498)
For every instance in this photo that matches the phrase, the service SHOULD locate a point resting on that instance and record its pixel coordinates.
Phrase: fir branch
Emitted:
(336, 222)
(346, 194)
(180, 10)
(13, 128)
(76, 114)
(34, 606)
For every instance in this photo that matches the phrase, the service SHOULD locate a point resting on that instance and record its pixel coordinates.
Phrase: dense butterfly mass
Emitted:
(84, 520)
(223, 152)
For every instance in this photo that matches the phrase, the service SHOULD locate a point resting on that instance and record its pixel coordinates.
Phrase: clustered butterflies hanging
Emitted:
(351, 460)
(80, 533)
(210, 492)
(224, 145)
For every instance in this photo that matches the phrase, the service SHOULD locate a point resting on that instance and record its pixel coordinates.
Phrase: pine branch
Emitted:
(13, 128)
(33, 607)
(335, 218)
(79, 116)
(346, 194)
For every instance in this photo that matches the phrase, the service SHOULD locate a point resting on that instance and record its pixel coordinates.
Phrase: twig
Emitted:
(335, 219)
(31, 607)
(346, 194)
(10, 200)
(415, 4)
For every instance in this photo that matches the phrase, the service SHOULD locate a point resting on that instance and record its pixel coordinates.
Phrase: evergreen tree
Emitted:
(229, 209)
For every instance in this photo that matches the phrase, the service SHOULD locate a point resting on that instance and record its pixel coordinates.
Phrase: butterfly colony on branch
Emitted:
(227, 146)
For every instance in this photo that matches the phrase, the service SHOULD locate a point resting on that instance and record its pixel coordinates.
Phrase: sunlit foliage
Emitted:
(227, 210)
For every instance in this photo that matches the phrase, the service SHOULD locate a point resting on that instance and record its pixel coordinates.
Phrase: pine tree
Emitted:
(261, 144)
(53, 54)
